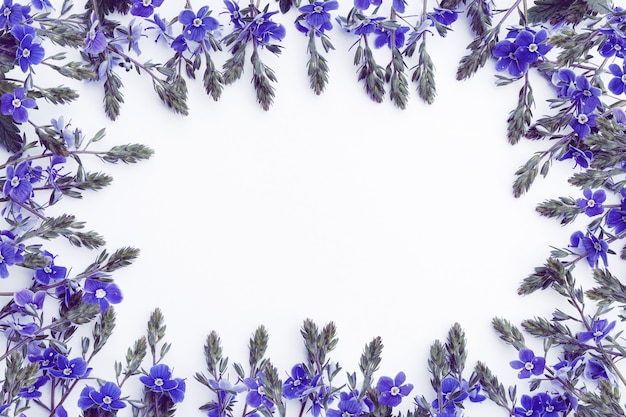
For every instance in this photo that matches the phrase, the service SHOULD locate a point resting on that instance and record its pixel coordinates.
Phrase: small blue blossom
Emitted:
(591, 203)
(264, 29)
(298, 383)
(20, 327)
(586, 97)
(365, 4)
(69, 368)
(51, 272)
(617, 84)
(552, 406)
(348, 406)
(529, 364)
(106, 398)
(393, 390)
(11, 14)
(256, 395)
(197, 25)
(614, 44)
(9, 255)
(29, 52)
(160, 380)
(26, 299)
(16, 104)
(595, 249)
(445, 17)
(531, 46)
(144, 8)
(616, 217)
(317, 14)
(504, 51)
(235, 14)
(599, 330)
(95, 41)
(46, 359)
(130, 35)
(161, 26)
(32, 391)
(582, 123)
(452, 393)
(594, 370)
(581, 158)
(18, 185)
(384, 36)
(530, 406)
(102, 293)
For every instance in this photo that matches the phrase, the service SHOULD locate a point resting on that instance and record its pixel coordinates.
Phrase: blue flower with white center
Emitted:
(65, 368)
(256, 396)
(504, 51)
(9, 255)
(452, 393)
(160, 380)
(592, 202)
(348, 406)
(595, 249)
(581, 158)
(599, 330)
(529, 406)
(582, 123)
(16, 104)
(298, 384)
(51, 272)
(393, 390)
(531, 46)
(196, 25)
(617, 84)
(529, 364)
(32, 391)
(106, 398)
(102, 293)
(144, 8)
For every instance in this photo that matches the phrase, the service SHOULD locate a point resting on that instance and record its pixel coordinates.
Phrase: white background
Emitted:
(390, 223)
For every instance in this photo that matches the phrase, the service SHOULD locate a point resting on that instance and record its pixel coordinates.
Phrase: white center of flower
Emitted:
(18, 327)
(597, 246)
(261, 391)
(617, 47)
(146, 3)
(318, 9)
(25, 52)
(587, 93)
(197, 22)
(31, 389)
(529, 366)
(591, 203)
(530, 412)
(1, 258)
(107, 399)
(394, 391)
(533, 47)
(597, 333)
(47, 269)
(550, 408)
(67, 371)
(345, 414)
(6, 12)
(235, 14)
(16, 102)
(15, 181)
(260, 21)
(624, 78)
(582, 118)
(296, 383)
(158, 382)
(100, 293)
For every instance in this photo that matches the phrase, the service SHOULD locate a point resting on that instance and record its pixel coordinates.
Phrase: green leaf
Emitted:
(10, 137)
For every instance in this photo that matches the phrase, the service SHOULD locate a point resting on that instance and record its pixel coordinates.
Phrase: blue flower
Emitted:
(69, 368)
(365, 4)
(592, 202)
(552, 406)
(580, 157)
(163, 28)
(444, 16)
(393, 390)
(616, 217)
(144, 8)
(28, 52)
(530, 407)
(46, 359)
(586, 97)
(11, 14)
(595, 249)
(384, 36)
(531, 46)
(595, 370)
(565, 82)
(95, 41)
(26, 299)
(297, 384)
(529, 364)
(452, 393)
(256, 396)
(599, 330)
(18, 185)
(32, 391)
(160, 380)
(617, 84)
(197, 25)
(130, 36)
(347, 406)
(103, 293)
(264, 29)
(613, 45)
(582, 123)
(317, 14)
(235, 14)
(51, 272)
(106, 398)
(504, 51)
(16, 103)
(9, 256)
